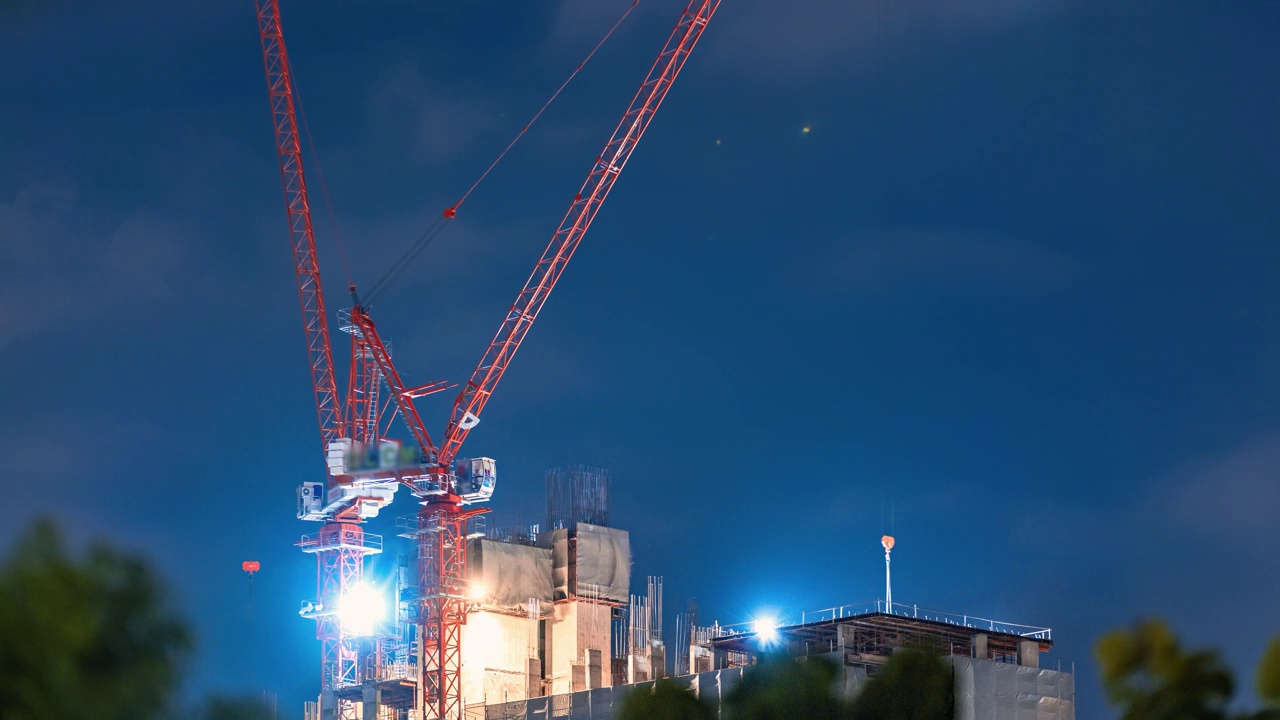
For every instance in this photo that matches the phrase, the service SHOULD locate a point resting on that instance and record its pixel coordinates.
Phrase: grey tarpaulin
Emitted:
(1001, 691)
(510, 573)
(559, 544)
(603, 563)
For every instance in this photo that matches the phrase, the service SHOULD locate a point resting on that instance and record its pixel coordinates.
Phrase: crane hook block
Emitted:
(451, 212)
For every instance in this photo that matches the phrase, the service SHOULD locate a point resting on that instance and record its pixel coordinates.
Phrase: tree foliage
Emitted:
(1269, 674)
(665, 701)
(1150, 676)
(94, 636)
(913, 685)
(779, 688)
(236, 709)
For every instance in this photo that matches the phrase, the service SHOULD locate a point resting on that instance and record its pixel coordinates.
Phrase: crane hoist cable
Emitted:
(431, 233)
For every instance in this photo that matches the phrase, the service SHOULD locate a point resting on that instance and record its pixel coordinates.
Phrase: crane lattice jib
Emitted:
(319, 352)
(399, 393)
(475, 394)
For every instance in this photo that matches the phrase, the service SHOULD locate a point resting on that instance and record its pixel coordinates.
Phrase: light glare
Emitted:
(766, 629)
(360, 610)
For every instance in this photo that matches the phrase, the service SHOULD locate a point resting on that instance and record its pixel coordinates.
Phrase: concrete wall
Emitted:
(495, 657)
(575, 629)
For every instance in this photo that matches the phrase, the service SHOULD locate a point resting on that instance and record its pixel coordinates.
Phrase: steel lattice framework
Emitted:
(586, 203)
(298, 207)
(442, 519)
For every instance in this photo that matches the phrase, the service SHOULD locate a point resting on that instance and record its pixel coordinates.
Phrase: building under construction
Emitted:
(553, 629)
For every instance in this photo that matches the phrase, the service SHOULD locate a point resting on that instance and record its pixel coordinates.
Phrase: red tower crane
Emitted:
(443, 483)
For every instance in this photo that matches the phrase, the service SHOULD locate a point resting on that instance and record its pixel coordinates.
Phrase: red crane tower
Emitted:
(442, 482)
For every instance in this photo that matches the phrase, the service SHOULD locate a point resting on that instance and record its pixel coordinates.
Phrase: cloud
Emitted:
(421, 117)
(57, 266)
(1233, 497)
(585, 21)
(881, 260)
(813, 37)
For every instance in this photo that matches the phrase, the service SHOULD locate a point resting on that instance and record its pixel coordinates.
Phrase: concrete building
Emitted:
(553, 630)
(996, 666)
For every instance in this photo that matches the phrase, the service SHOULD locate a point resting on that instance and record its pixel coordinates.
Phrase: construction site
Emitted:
(540, 620)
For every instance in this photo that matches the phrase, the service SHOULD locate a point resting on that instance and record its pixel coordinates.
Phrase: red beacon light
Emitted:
(251, 566)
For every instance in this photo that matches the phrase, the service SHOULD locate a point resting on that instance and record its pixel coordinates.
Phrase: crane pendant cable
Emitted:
(379, 288)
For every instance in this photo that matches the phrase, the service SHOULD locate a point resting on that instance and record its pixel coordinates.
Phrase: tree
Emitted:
(237, 709)
(779, 688)
(912, 685)
(85, 637)
(1149, 675)
(1269, 675)
(665, 701)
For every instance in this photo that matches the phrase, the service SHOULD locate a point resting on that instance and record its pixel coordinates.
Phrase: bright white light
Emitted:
(766, 629)
(360, 610)
(478, 591)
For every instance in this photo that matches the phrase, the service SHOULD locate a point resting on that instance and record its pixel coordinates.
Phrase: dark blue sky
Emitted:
(1019, 276)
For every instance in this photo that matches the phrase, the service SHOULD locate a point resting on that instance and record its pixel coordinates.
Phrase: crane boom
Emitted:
(298, 207)
(586, 203)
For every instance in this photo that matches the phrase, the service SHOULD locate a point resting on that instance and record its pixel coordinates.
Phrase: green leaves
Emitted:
(1268, 679)
(913, 685)
(666, 701)
(780, 688)
(78, 634)
(1149, 675)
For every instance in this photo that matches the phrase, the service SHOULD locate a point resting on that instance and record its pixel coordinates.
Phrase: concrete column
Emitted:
(978, 646)
(534, 688)
(371, 696)
(1029, 653)
(595, 672)
(658, 662)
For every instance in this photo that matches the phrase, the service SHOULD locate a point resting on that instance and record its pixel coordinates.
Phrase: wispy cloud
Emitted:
(940, 260)
(1232, 497)
(821, 37)
(56, 266)
(423, 117)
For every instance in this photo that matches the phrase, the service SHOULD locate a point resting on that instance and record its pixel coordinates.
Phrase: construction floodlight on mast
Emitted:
(887, 542)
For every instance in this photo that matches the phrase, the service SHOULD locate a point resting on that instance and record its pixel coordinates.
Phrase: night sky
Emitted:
(1007, 267)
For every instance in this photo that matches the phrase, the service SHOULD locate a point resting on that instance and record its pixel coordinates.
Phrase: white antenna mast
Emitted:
(887, 542)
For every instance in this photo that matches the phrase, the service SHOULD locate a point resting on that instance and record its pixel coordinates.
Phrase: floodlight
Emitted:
(766, 629)
(361, 609)
(478, 592)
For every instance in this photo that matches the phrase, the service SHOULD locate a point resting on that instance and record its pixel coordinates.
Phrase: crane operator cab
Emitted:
(475, 479)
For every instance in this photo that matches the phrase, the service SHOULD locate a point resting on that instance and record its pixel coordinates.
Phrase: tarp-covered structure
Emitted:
(988, 690)
(591, 561)
(510, 574)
